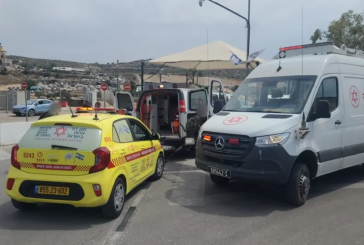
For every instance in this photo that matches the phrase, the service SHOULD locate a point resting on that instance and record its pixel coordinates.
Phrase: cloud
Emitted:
(107, 30)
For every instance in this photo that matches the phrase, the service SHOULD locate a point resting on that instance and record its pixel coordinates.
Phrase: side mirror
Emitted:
(322, 109)
(156, 136)
(218, 105)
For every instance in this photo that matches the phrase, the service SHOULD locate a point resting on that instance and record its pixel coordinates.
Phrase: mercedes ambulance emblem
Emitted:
(219, 143)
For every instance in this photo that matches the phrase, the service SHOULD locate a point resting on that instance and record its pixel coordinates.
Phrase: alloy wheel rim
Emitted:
(119, 197)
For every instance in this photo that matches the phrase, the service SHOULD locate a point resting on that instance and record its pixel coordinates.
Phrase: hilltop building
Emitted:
(4, 62)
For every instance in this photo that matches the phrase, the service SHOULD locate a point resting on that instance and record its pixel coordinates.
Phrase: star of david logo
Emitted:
(235, 120)
(60, 131)
(354, 97)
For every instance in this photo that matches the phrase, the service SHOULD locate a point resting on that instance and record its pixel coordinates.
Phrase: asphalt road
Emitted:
(184, 207)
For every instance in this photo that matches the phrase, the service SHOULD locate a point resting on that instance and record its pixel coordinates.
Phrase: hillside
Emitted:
(113, 69)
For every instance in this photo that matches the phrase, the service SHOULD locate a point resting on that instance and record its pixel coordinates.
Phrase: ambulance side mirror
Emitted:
(218, 105)
(322, 109)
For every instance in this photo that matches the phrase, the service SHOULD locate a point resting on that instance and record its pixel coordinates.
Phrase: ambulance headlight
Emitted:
(272, 140)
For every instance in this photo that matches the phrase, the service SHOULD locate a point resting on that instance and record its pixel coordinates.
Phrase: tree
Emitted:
(4, 71)
(348, 30)
(30, 83)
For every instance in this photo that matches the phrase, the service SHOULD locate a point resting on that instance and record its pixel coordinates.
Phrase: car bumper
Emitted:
(81, 188)
(263, 165)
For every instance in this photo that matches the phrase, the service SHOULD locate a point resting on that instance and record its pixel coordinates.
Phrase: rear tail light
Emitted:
(10, 184)
(102, 159)
(182, 106)
(14, 157)
(97, 190)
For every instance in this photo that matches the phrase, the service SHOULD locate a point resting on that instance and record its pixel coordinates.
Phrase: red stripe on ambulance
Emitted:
(139, 154)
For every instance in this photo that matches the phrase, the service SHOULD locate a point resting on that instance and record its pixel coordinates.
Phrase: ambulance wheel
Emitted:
(159, 168)
(23, 206)
(115, 205)
(218, 180)
(299, 184)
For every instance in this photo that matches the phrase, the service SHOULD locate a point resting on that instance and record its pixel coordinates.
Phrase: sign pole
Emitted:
(104, 99)
(26, 106)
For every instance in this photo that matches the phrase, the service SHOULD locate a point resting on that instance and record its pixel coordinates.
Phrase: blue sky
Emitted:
(125, 30)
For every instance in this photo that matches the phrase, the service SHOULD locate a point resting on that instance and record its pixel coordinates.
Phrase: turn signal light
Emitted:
(97, 190)
(234, 141)
(207, 137)
(10, 184)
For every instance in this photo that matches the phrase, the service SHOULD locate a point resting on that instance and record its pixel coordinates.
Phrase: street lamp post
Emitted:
(247, 23)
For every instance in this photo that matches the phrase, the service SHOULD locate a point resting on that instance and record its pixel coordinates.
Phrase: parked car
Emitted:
(34, 107)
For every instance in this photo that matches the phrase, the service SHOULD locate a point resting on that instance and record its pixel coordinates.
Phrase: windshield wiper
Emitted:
(63, 147)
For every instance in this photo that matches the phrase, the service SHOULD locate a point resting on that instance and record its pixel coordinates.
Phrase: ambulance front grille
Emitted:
(240, 150)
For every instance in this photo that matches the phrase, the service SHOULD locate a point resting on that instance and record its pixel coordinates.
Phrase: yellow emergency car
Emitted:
(84, 161)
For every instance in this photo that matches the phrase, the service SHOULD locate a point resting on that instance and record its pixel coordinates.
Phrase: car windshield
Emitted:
(30, 102)
(272, 94)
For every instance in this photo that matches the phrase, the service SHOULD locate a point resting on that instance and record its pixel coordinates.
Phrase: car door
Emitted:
(353, 134)
(143, 139)
(125, 101)
(127, 151)
(42, 106)
(216, 92)
(327, 133)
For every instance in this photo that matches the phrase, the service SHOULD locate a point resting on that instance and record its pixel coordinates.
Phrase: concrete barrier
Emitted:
(11, 133)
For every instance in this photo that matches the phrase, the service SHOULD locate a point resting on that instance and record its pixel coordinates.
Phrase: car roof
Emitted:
(81, 119)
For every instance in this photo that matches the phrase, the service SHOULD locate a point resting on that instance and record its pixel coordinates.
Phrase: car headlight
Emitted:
(23, 108)
(272, 140)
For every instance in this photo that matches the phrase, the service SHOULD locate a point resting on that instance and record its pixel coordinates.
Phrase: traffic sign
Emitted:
(127, 87)
(104, 87)
(24, 85)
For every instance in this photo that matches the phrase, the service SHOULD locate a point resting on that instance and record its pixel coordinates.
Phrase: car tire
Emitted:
(298, 186)
(159, 168)
(31, 113)
(115, 205)
(23, 206)
(218, 180)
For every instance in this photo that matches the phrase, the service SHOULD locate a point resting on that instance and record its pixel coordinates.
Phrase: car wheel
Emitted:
(159, 168)
(218, 180)
(31, 112)
(299, 184)
(23, 206)
(115, 205)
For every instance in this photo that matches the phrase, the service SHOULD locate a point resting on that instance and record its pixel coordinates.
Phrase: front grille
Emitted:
(240, 150)
(27, 190)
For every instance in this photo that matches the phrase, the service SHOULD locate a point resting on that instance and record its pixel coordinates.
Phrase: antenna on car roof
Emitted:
(73, 115)
(95, 109)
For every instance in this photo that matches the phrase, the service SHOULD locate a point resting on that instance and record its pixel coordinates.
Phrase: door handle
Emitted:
(337, 122)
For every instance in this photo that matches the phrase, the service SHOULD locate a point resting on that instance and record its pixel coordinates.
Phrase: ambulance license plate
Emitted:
(220, 172)
(52, 190)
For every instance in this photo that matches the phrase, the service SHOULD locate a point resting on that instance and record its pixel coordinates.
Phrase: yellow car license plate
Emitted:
(52, 190)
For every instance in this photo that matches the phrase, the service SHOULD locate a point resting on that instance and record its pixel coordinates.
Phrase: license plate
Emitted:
(52, 190)
(220, 172)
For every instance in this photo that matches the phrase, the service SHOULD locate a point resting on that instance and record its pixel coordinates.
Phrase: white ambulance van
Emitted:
(161, 104)
(295, 118)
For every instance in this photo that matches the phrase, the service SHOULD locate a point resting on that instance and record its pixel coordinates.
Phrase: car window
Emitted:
(40, 102)
(139, 131)
(122, 132)
(197, 98)
(328, 91)
(42, 137)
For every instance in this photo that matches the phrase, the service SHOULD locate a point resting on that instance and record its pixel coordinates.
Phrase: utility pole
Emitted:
(248, 40)
(142, 76)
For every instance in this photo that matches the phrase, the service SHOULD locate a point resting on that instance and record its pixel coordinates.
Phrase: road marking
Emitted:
(4, 155)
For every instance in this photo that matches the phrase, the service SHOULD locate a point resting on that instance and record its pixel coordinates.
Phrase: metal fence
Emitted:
(8, 99)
